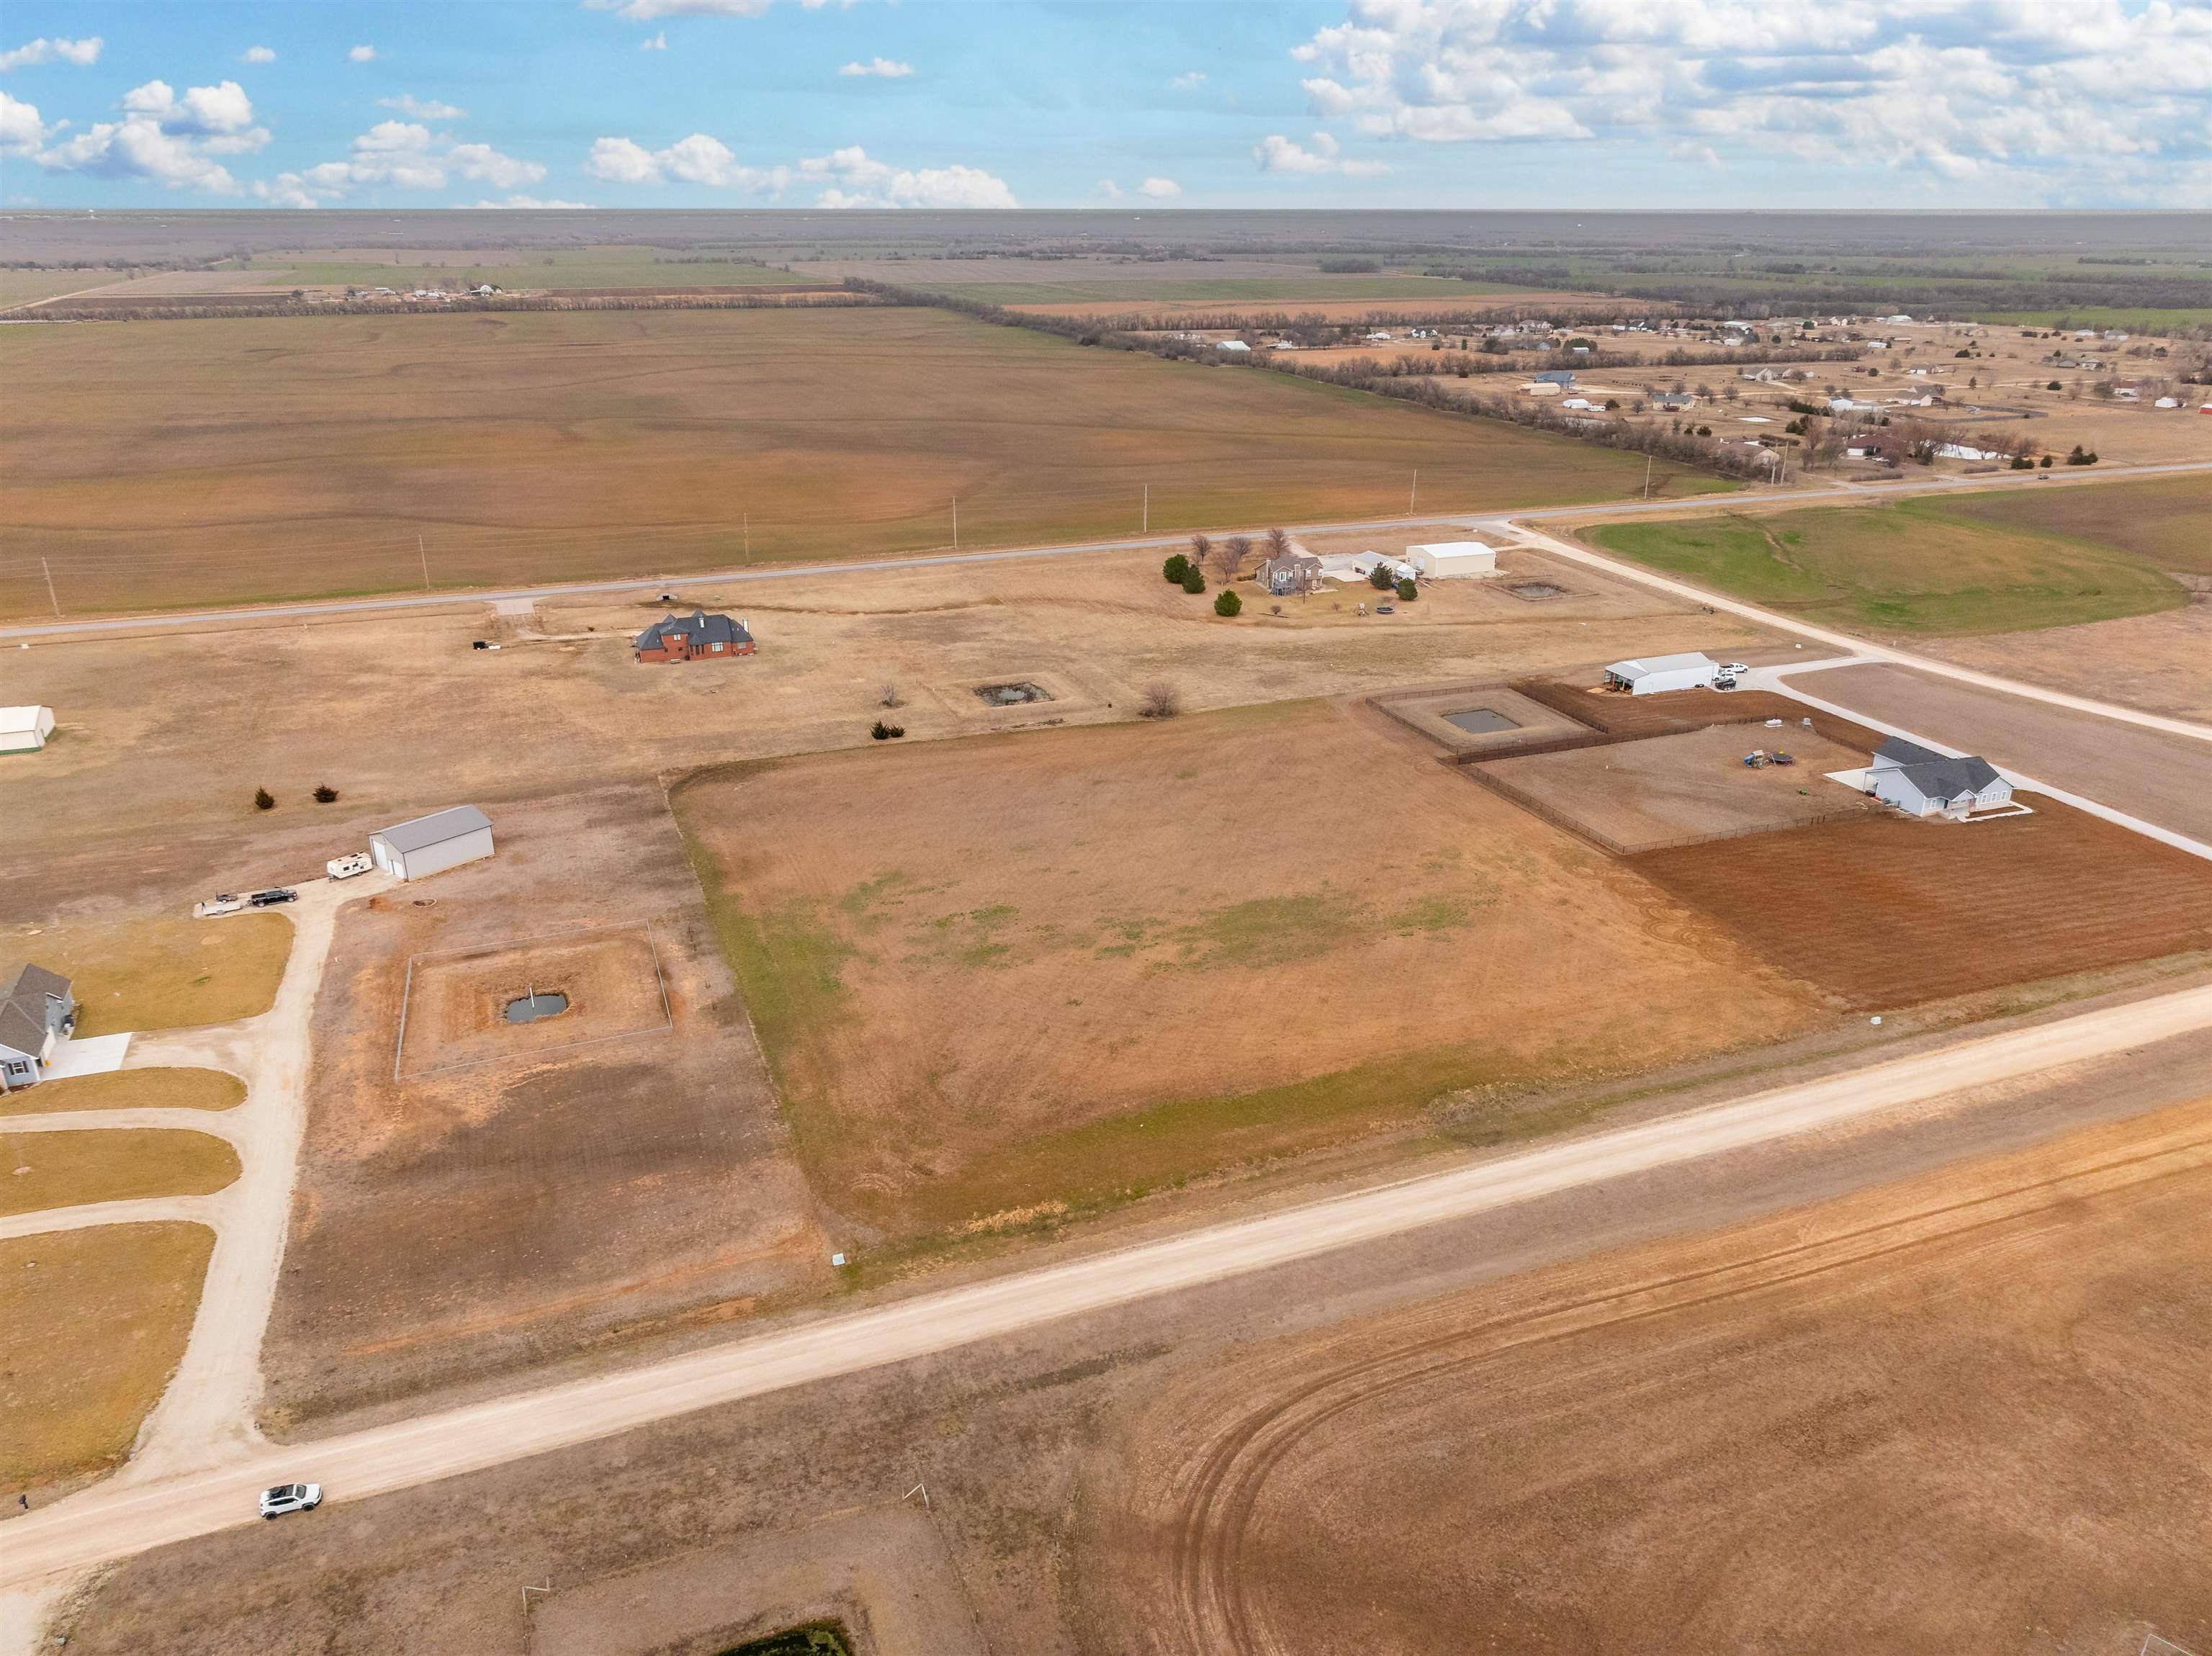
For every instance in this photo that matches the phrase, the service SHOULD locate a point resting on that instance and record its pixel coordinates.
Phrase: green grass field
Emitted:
(229, 461)
(2161, 520)
(1916, 565)
(2135, 320)
(21, 287)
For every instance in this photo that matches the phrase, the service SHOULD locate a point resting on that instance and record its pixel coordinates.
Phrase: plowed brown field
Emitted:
(1887, 912)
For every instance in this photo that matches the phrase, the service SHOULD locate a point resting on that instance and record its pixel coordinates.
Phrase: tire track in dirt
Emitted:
(1210, 1530)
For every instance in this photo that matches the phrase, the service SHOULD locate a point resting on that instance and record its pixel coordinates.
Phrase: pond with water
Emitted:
(543, 1003)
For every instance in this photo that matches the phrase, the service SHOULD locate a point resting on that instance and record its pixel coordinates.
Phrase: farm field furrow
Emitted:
(1887, 912)
(202, 462)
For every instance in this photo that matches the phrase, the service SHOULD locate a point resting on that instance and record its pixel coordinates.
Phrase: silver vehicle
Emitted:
(290, 1498)
(228, 903)
(1731, 669)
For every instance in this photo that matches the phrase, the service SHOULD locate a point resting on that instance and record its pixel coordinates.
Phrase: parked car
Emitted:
(1724, 683)
(345, 868)
(290, 1498)
(1732, 669)
(274, 896)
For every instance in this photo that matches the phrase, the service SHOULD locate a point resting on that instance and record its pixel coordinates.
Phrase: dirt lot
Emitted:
(1672, 790)
(277, 456)
(457, 1002)
(131, 1089)
(2166, 779)
(998, 978)
(515, 1212)
(1032, 1447)
(1885, 911)
(1744, 1442)
(168, 972)
(92, 1323)
(64, 1169)
(2161, 663)
(148, 798)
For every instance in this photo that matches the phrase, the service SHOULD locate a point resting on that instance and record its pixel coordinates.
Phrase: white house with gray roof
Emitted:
(1922, 782)
(38, 1015)
(430, 845)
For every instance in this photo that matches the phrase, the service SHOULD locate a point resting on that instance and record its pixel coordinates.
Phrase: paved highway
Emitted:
(1934, 483)
(113, 1521)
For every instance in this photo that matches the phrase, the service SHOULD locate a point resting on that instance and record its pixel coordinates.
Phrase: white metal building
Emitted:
(430, 845)
(1651, 675)
(1440, 560)
(25, 729)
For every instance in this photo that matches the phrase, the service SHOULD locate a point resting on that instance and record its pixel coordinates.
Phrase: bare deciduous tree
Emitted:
(1279, 543)
(1229, 556)
(1161, 700)
(890, 694)
(1201, 549)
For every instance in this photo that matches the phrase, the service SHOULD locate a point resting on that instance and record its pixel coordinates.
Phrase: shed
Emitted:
(1236, 346)
(1651, 675)
(25, 729)
(1564, 377)
(430, 845)
(1442, 559)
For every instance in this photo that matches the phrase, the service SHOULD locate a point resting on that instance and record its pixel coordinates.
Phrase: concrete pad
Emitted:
(91, 1055)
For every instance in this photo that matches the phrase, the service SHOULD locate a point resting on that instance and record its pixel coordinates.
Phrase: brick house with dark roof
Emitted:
(692, 638)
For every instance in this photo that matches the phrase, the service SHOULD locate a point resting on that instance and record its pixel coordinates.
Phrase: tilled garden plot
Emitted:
(1888, 911)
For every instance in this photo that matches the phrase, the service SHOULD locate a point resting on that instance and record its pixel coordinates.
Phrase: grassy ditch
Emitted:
(130, 1090)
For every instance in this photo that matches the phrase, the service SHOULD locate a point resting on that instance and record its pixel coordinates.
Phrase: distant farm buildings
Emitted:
(1923, 783)
(693, 637)
(1443, 559)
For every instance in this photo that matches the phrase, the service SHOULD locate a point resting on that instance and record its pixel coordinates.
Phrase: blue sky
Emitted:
(1397, 103)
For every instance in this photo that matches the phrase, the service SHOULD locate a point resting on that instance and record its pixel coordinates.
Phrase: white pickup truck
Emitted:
(344, 868)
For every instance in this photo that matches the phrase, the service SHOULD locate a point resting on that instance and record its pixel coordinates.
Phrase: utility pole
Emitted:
(1147, 525)
(1413, 494)
(749, 536)
(423, 552)
(956, 523)
(51, 598)
(1647, 476)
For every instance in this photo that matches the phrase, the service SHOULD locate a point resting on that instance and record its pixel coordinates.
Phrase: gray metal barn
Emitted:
(430, 845)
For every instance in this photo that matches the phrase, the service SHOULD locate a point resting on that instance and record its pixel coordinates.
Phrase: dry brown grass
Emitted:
(457, 1002)
(224, 460)
(99, 1164)
(92, 1324)
(130, 1090)
(168, 973)
(1007, 973)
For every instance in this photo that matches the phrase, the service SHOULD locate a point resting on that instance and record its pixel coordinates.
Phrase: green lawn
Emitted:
(2137, 320)
(1917, 566)
(2161, 520)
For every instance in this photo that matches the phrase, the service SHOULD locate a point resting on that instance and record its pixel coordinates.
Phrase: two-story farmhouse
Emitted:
(693, 637)
(38, 1015)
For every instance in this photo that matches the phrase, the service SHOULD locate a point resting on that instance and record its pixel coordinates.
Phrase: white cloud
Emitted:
(884, 69)
(258, 55)
(1189, 82)
(695, 159)
(1277, 154)
(531, 204)
(654, 42)
(363, 54)
(137, 147)
(397, 155)
(644, 11)
(2064, 101)
(423, 109)
(859, 180)
(22, 131)
(1160, 189)
(84, 53)
(222, 108)
(1109, 189)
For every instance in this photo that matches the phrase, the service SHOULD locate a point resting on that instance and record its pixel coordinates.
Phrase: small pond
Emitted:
(1012, 695)
(539, 1004)
(1480, 721)
(1537, 589)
